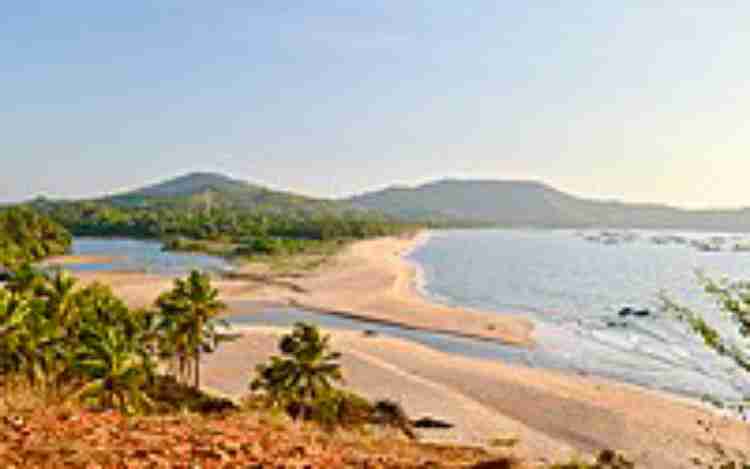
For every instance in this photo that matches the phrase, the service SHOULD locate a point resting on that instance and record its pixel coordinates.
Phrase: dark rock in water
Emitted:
(369, 333)
(429, 422)
(628, 311)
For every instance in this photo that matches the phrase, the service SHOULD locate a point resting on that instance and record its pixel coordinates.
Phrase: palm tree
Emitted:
(115, 369)
(189, 311)
(305, 373)
(58, 291)
(13, 313)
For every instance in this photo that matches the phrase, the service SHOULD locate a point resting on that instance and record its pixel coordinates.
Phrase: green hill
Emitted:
(215, 190)
(533, 204)
(213, 207)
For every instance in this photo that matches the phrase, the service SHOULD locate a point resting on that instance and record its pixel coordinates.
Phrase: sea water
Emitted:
(573, 289)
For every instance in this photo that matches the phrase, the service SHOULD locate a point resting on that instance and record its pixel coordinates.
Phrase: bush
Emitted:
(342, 409)
(170, 395)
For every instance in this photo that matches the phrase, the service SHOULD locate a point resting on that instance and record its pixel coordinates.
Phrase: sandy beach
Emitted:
(554, 415)
(369, 280)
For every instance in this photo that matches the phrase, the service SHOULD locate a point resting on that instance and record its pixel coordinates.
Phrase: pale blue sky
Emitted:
(636, 102)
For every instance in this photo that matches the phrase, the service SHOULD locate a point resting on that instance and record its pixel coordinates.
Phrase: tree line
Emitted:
(242, 226)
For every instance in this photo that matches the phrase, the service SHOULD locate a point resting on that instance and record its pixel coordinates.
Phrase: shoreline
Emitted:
(374, 281)
(369, 280)
(552, 411)
(553, 414)
(420, 277)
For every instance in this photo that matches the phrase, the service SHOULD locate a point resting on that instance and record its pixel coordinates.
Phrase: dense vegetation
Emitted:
(26, 236)
(86, 344)
(215, 209)
(167, 220)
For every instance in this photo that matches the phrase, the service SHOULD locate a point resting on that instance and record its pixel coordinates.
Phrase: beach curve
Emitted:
(369, 280)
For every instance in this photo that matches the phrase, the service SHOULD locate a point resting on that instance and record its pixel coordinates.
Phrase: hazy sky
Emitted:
(325, 97)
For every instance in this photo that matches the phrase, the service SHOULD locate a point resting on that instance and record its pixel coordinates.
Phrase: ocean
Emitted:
(572, 285)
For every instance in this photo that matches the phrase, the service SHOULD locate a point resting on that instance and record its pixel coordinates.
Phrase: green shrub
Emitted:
(341, 409)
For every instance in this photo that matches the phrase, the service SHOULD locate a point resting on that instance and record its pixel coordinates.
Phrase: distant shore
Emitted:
(73, 259)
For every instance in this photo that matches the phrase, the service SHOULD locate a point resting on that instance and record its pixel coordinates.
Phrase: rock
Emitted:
(369, 333)
(429, 422)
(628, 311)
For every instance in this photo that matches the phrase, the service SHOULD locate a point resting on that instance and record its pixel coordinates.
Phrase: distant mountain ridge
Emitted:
(448, 202)
(534, 204)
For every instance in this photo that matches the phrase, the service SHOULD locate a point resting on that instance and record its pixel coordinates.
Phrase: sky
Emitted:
(641, 101)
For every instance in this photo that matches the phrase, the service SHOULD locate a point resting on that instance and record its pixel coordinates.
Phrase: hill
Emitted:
(216, 190)
(534, 204)
(215, 208)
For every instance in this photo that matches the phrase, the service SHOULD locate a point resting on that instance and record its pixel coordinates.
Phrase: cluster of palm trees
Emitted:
(26, 236)
(87, 344)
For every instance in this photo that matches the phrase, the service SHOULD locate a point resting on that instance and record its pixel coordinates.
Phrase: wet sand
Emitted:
(553, 414)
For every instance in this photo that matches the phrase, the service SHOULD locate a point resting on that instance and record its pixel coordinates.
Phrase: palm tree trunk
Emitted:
(197, 369)
(198, 355)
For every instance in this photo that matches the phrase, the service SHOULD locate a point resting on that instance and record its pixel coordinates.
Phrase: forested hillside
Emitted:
(215, 208)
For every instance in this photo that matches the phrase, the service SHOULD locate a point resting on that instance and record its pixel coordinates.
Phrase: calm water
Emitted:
(286, 317)
(142, 256)
(573, 288)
